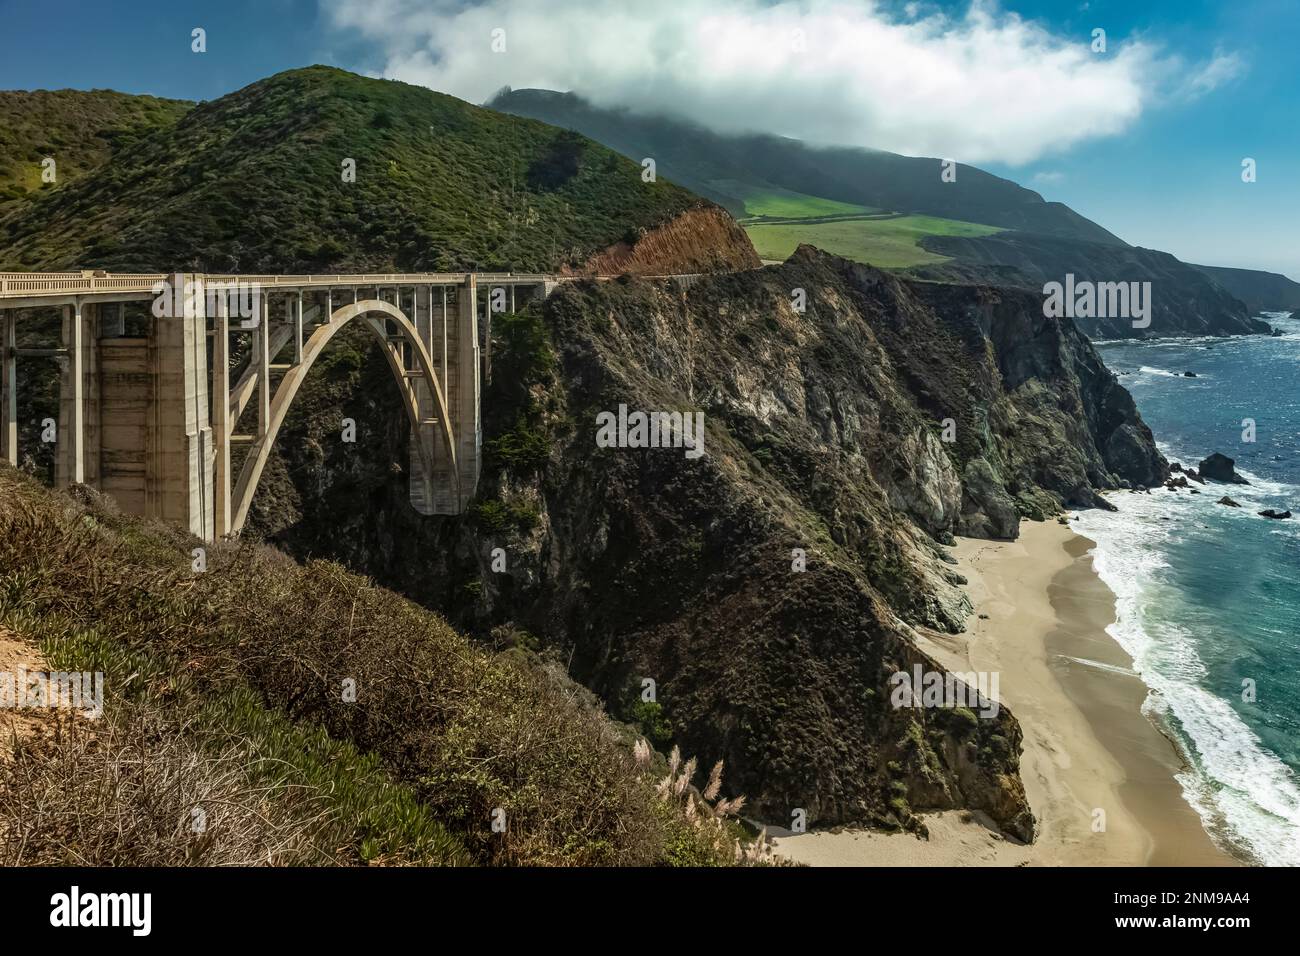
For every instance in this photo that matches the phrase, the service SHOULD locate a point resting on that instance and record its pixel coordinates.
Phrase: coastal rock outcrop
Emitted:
(1221, 468)
(1277, 515)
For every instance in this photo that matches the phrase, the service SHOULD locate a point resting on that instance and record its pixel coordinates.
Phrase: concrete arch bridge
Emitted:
(148, 404)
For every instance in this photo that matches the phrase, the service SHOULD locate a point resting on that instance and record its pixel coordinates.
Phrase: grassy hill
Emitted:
(226, 691)
(80, 131)
(887, 243)
(773, 202)
(254, 181)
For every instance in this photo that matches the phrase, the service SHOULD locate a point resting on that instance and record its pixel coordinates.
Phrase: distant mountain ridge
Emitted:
(1182, 297)
(1041, 241)
(1261, 291)
(698, 158)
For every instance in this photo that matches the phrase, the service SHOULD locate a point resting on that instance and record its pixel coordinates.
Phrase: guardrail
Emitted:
(24, 284)
(73, 283)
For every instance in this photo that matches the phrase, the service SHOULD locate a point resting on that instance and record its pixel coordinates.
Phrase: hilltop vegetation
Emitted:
(254, 182)
(80, 131)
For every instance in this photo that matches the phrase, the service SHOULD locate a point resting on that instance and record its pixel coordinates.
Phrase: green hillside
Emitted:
(80, 131)
(254, 181)
(773, 202)
(887, 243)
(707, 162)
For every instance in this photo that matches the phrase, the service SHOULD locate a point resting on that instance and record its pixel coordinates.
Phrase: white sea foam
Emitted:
(1242, 791)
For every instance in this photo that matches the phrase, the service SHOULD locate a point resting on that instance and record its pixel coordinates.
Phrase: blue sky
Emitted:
(1161, 168)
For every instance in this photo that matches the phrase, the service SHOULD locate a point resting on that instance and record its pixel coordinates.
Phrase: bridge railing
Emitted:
(20, 284)
(17, 284)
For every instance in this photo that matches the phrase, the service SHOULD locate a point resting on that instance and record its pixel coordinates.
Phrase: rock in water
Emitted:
(1220, 468)
(1189, 375)
(1225, 500)
(1270, 513)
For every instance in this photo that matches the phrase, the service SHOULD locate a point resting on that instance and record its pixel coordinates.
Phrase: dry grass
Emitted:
(236, 678)
(141, 793)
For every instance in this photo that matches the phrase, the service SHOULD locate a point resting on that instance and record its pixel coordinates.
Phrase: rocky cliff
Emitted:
(768, 587)
(703, 239)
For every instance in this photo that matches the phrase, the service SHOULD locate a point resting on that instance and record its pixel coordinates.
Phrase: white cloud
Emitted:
(1049, 177)
(985, 86)
(1222, 69)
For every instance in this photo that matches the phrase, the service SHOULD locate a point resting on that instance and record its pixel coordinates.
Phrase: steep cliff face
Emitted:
(768, 587)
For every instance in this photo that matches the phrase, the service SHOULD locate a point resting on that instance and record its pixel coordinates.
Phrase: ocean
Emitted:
(1208, 596)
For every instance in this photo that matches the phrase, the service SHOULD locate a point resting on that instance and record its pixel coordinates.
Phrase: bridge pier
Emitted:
(180, 464)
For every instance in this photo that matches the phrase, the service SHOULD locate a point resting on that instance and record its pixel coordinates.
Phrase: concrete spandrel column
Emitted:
(296, 305)
(221, 417)
(77, 449)
(423, 493)
(469, 438)
(263, 348)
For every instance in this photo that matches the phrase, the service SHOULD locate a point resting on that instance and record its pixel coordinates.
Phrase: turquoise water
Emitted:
(1208, 597)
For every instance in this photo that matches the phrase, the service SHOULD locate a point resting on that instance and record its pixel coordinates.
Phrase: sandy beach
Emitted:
(1087, 746)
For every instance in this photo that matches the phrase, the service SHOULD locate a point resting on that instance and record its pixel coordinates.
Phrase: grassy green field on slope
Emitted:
(80, 131)
(313, 717)
(254, 181)
(778, 203)
(883, 243)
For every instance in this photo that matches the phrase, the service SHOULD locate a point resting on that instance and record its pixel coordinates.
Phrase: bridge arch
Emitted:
(373, 313)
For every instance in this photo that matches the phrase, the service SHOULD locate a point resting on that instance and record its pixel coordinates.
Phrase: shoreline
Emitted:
(1087, 744)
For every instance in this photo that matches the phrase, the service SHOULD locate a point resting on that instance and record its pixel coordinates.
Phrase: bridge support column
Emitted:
(296, 320)
(181, 450)
(262, 356)
(468, 432)
(221, 425)
(9, 387)
(77, 457)
(428, 492)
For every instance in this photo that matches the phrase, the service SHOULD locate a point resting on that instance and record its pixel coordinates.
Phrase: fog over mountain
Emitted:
(858, 74)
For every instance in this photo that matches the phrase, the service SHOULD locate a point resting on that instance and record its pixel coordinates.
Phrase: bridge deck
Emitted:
(19, 285)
